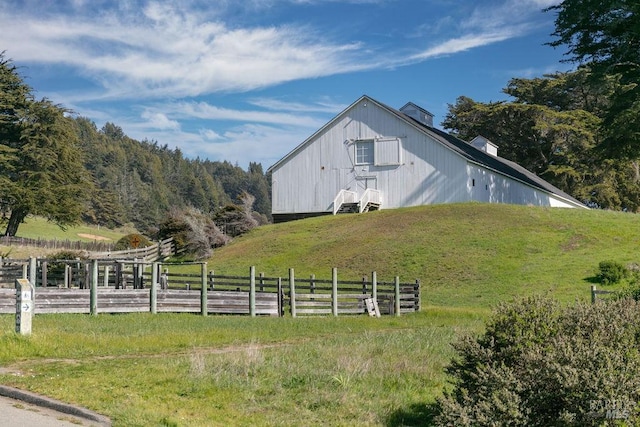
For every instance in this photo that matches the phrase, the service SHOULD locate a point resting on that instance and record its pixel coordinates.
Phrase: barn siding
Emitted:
(326, 164)
(428, 172)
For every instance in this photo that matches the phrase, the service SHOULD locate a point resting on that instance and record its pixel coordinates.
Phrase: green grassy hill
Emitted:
(468, 255)
(37, 227)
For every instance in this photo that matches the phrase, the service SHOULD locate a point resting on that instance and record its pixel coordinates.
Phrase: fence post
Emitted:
(252, 291)
(105, 277)
(204, 310)
(93, 293)
(164, 279)
(418, 298)
(153, 292)
(397, 296)
(117, 275)
(43, 272)
(280, 298)
(78, 275)
(593, 294)
(312, 284)
(136, 274)
(32, 271)
(67, 276)
(261, 282)
(334, 291)
(211, 278)
(292, 292)
(374, 286)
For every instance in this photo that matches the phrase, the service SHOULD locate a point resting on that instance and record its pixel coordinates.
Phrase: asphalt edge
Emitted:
(56, 405)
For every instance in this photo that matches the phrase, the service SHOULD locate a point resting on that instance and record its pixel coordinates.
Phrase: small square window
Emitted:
(364, 152)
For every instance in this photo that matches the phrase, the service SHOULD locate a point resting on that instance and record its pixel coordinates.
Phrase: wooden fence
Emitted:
(595, 292)
(105, 286)
(75, 245)
(110, 300)
(322, 297)
(155, 252)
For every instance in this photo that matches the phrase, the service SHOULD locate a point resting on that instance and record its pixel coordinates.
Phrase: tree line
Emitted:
(62, 167)
(139, 182)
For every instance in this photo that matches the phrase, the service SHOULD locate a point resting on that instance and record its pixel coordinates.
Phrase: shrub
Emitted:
(236, 220)
(66, 255)
(131, 241)
(194, 233)
(55, 266)
(542, 364)
(612, 272)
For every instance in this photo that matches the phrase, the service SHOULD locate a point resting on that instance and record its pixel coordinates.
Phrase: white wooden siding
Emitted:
(388, 152)
(415, 170)
(423, 172)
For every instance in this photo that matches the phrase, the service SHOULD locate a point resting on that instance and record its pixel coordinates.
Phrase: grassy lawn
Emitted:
(185, 369)
(37, 227)
(169, 369)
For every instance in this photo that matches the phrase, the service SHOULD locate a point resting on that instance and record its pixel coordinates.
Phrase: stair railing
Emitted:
(370, 196)
(344, 196)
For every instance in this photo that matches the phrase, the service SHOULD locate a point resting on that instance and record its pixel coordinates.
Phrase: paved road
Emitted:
(16, 413)
(19, 408)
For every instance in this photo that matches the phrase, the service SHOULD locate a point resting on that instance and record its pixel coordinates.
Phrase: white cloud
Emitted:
(241, 144)
(486, 25)
(206, 111)
(210, 135)
(325, 106)
(166, 49)
(461, 44)
(159, 121)
(166, 52)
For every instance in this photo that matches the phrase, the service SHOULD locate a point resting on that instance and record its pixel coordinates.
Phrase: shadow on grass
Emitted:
(414, 415)
(593, 279)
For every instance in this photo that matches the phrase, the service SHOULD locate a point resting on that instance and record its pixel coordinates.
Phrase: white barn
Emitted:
(371, 156)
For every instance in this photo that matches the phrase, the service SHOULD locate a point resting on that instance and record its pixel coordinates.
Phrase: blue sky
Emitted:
(247, 81)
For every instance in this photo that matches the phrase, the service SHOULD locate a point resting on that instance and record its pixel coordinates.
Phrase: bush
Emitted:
(612, 272)
(194, 233)
(132, 241)
(55, 266)
(542, 364)
(67, 255)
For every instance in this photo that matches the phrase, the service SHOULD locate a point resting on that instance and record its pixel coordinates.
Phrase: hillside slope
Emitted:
(463, 254)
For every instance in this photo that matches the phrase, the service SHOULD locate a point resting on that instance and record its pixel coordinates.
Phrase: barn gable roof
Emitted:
(462, 148)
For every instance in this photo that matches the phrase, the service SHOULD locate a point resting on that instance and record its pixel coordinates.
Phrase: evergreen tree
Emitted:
(40, 160)
(605, 35)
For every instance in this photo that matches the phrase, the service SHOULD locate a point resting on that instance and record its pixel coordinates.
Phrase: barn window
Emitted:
(364, 152)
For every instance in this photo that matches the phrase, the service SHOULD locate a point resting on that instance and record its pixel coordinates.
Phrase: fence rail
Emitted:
(155, 252)
(595, 292)
(57, 244)
(107, 286)
(59, 300)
